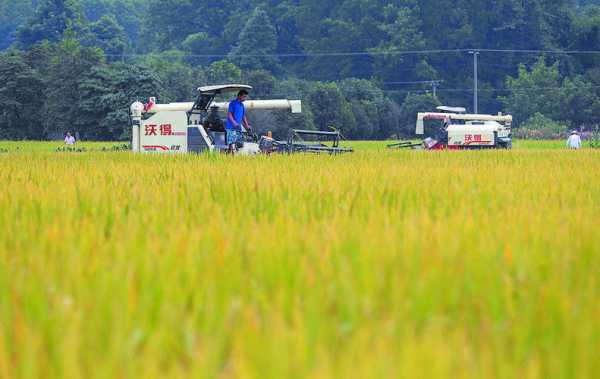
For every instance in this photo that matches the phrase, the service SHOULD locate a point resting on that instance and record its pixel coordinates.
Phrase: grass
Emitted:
(376, 264)
(518, 144)
(51, 146)
(25, 146)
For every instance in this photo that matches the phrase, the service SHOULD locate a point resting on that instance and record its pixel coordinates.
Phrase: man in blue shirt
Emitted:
(236, 118)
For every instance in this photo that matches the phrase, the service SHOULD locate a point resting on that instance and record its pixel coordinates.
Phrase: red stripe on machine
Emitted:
(482, 142)
(156, 147)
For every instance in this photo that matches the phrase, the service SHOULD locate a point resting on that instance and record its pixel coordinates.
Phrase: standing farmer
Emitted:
(574, 141)
(69, 139)
(236, 120)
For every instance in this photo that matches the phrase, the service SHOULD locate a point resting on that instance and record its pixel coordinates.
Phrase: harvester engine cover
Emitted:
(473, 135)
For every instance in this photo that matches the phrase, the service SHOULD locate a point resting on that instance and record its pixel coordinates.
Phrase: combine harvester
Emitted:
(457, 130)
(196, 127)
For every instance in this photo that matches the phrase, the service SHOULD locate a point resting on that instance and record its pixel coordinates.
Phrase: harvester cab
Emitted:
(452, 128)
(210, 120)
(194, 126)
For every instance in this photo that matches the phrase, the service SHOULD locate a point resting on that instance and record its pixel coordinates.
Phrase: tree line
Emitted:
(359, 66)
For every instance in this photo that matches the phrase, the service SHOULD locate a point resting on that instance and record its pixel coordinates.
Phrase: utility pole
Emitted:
(475, 81)
(435, 84)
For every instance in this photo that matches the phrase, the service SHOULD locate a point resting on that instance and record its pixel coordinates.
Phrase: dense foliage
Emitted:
(358, 65)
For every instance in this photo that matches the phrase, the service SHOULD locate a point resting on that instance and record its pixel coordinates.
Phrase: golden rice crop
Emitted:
(376, 264)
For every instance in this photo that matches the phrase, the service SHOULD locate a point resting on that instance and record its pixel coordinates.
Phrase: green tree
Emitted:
(337, 27)
(108, 35)
(167, 23)
(129, 14)
(330, 109)
(375, 115)
(285, 20)
(39, 57)
(52, 18)
(262, 82)
(13, 13)
(106, 93)
(413, 104)
(199, 43)
(539, 126)
(21, 98)
(178, 79)
(223, 72)
(284, 121)
(542, 90)
(586, 36)
(402, 31)
(258, 39)
(68, 66)
(579, 103)
(338, 36)
(534, 91)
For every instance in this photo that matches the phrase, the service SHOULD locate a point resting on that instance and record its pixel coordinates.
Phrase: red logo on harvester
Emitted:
(166, 130)
(474, 139)
(150, 130)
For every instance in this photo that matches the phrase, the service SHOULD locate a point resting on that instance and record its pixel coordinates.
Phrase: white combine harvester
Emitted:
(457, 130)
(186, 127)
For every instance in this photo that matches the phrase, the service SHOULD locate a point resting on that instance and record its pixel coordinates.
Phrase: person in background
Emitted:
(574, 141)
(69, 139)
(236, 119)
(213, 122)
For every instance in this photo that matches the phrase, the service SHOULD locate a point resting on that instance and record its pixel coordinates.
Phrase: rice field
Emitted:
(376, 264)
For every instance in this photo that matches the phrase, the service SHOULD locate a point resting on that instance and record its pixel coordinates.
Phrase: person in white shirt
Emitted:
(69, 139)
(574, 141)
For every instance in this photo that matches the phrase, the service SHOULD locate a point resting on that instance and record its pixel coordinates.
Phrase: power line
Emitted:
(526, 51)
(414, 82)
(449, 90)
(521, 90)
(283, 55)
(357, 53)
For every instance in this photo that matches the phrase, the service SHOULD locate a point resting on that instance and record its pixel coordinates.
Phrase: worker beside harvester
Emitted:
(69, 139)
(574, 141)
(236, 120)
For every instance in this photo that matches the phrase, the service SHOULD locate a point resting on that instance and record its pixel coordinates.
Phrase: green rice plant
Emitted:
(595, 140)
